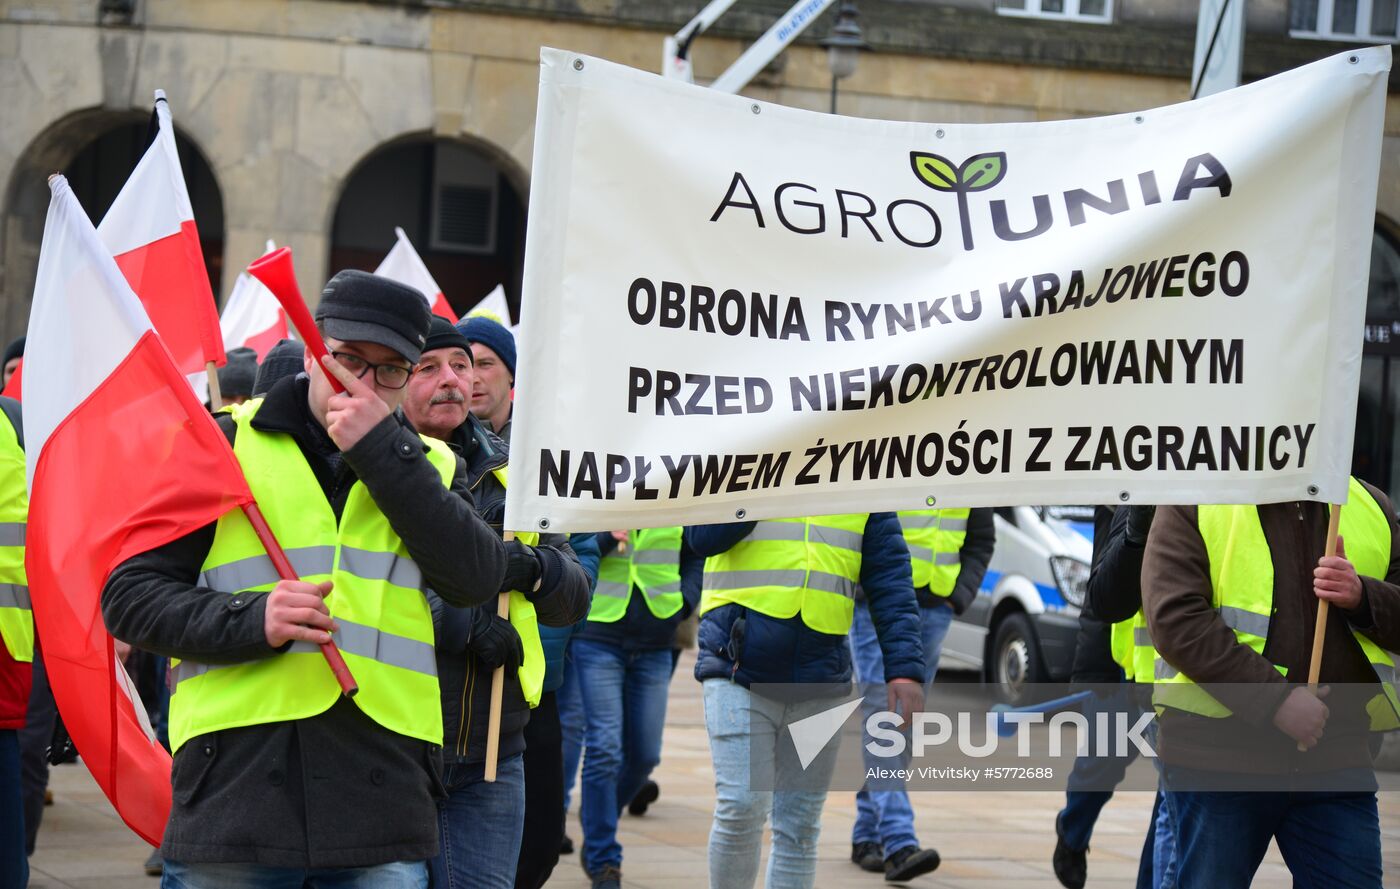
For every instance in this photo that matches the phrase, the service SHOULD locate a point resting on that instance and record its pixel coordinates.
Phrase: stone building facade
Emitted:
(321, 124)
(280, 103)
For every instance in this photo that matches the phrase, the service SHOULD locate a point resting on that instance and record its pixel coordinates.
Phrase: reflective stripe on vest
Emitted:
(522, 616)
(786, 567)
(386, 629)
(935, 539)
(16, 616)
(1242, 582)
(652, 564)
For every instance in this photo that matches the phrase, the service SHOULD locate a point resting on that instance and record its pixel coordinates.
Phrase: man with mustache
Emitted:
(481, 823)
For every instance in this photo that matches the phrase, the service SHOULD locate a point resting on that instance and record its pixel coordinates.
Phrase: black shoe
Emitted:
(1071, 868)
(608, 878)
(567, 846)
(155, 865)
(868, 856)
(645, 797)
(910, 862)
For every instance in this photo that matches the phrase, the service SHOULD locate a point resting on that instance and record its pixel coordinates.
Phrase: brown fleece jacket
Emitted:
(1189, 635)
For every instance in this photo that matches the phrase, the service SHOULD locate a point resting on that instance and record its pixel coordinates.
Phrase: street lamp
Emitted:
(843, 46)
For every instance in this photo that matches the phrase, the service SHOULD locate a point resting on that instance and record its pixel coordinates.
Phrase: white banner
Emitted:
(741, 310)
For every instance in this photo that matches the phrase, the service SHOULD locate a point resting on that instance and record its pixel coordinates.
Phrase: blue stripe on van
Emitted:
(1048, 594)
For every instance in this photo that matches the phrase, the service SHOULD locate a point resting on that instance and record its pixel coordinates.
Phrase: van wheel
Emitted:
(1016, 661)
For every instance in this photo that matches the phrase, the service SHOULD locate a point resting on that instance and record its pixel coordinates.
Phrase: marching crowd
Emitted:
(389, 499)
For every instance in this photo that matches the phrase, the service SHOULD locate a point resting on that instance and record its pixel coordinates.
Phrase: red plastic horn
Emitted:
(275, 271)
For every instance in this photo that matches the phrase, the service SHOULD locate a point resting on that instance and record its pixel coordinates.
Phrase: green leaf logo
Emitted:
(978, 173)
(981, 171)
(934, 170)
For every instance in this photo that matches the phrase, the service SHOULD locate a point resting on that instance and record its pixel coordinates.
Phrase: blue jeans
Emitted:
(739, 721)
(1328, 840)
(399, 875)
(1091, 777)
(624, 702)
(14, 864)
(479, 826)
(885, 816)
(569, 698)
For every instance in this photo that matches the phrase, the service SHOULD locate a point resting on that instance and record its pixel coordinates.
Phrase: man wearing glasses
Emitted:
(278, 780)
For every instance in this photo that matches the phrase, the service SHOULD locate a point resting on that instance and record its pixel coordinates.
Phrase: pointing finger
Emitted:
(351, 383)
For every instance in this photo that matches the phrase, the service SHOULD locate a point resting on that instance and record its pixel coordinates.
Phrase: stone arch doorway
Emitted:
(96, 150)
(461, 203)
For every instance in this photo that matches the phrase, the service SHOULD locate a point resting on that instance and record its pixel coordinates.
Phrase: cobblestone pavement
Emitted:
(987, 839)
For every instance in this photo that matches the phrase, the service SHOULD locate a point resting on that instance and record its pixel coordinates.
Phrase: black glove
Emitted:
(1139, 523)
(522, 569)
(494, 641)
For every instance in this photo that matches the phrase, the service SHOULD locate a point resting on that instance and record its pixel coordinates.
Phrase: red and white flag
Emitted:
(403, 264)
(150, 230)
(494, 306)
(103, 395)
(252, 316)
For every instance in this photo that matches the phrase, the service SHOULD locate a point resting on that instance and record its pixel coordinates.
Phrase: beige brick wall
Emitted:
(286, 97)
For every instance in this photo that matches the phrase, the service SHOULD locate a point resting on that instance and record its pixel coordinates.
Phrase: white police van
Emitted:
(1022, 627)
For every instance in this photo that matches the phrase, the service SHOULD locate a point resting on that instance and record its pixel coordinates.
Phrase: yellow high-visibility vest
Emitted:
(527, 624)
(786, 567)
(16, 618)
(1242, 584)
(935, 539)
(652, 564)
(385, 626)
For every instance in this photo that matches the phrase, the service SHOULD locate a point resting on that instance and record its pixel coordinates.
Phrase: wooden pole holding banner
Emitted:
(1320, 631)
(216, 398)
(498, 690)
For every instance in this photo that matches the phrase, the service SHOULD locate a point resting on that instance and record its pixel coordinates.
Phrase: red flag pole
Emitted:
(275, 271)
(348, 686)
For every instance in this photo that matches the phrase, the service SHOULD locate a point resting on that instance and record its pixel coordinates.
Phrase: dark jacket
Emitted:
(334, 790)
(1115, 593)
(638, 629)
(1189, 634)
(746, 646)
(555, 640)
(561, 601)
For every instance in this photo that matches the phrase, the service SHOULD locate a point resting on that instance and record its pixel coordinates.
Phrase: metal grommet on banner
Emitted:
(1353, 59)
(930, 500)
(939, 133)
(544, 524)
(1312, 490)
(740, 513)
(578, 64)
(1138, 119)
(754, 108)
(1123, 495)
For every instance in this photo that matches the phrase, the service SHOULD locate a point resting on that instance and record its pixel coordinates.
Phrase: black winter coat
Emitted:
(561, 601)
(337, 789)
(1115, 593)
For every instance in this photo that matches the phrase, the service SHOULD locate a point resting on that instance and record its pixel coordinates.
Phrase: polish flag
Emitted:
(150, 230)
(252, 316)
(107, 396)
(403, 264)
(494, 306)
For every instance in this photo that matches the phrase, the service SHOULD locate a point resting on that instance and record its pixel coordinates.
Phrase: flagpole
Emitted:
(1334, 521)
(498, 688)
(216, 398)
(348, 686)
